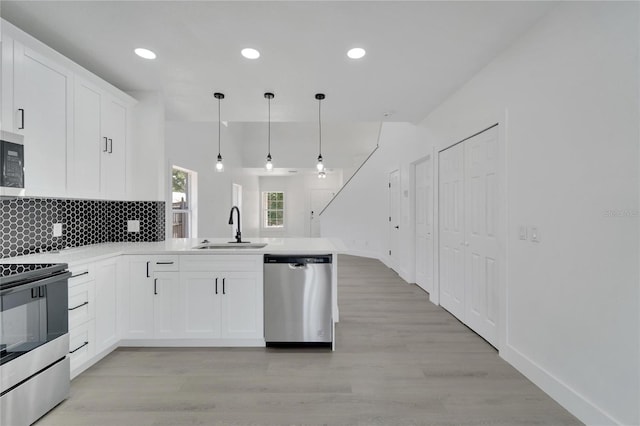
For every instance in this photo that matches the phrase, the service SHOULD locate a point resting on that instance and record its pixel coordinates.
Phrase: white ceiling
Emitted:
(417, 52)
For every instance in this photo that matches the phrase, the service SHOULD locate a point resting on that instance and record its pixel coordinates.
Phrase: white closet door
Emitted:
(424, 225)
(451, 227)
(481, 244)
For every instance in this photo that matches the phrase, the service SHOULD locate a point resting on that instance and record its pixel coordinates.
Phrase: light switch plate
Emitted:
(535, 234)
(57, 230)
(523, 232)
(133, 226)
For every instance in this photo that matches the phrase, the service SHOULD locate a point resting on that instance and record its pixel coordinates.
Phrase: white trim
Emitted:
(556, 388)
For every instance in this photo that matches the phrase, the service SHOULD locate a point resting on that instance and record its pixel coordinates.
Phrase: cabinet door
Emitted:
(113, 166)
(87, 144)
(201, 304)
(242, 306)
(139, 312)
(41, 104)
(106, 304)
(168, 306)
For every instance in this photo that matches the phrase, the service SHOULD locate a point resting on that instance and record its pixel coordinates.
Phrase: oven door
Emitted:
(31, 315)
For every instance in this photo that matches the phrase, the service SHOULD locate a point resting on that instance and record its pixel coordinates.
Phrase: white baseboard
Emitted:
(192, 343)
(569, 398)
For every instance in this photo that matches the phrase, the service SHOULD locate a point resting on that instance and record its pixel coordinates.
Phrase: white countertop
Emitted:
(178, 246)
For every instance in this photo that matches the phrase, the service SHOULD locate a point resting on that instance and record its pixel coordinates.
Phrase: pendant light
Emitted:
(319, 165)
(219, 165)
(269, 165)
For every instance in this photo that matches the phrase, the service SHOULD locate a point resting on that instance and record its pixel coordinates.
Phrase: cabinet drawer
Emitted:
(221, 262)
(81, 303)
(165, 263)
(81, 274)
(81, 344)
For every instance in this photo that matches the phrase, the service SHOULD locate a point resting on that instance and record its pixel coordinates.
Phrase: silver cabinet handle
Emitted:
(155, 286)
(79, 306)
(223, 288)
(106, 144)
(110, 146)
(80, 274)
(216, 285)
(21, 118)
(79, 347)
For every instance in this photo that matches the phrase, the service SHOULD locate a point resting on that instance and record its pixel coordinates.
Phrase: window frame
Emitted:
(189, 210)
(266, 210)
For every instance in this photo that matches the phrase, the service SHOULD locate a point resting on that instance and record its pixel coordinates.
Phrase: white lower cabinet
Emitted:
(81, 317)
(106, 304)
(81, 347)
(223, 296)
(168, 312)
(154, 307)
(205, 297)
(202, 304)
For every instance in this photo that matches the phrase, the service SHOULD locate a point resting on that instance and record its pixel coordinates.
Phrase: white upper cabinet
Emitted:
(97, 154)
(87, 143)
(42, 114)
(75, 125)
(114, 134)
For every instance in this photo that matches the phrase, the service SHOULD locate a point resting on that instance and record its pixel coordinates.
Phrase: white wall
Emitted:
(194, 146)
(297, 191)
(359, 215)
(566, 96)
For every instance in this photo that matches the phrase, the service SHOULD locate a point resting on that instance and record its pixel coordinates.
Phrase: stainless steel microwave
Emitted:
(11, 164)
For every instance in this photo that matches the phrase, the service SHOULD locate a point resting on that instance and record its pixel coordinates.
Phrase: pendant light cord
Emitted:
(269, 134)
(320, 126)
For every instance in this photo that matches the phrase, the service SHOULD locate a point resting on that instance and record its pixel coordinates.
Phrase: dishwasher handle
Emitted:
(297, 266)
(297, 259)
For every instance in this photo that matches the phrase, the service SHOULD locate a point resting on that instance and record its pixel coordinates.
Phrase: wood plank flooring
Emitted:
(400, 360)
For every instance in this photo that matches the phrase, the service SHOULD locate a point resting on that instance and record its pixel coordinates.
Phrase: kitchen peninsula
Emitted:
(171, 293)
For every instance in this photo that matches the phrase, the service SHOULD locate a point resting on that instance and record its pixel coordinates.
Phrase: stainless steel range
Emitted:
(34, 340)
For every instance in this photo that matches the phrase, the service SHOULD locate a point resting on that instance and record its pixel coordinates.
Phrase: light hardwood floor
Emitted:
(400, 360)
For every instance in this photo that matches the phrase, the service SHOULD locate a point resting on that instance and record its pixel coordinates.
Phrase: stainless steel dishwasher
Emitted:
(297, 299)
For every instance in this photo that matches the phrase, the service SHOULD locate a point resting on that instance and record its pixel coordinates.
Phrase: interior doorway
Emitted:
(423, 184)
(394, 219)
(319, 198)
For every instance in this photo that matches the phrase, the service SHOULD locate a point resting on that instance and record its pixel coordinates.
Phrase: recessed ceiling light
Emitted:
(145, 53)
(250, 53)
(356, 53)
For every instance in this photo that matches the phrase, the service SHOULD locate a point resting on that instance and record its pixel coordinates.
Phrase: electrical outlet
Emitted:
(133, 226)
(523, 232)
(535, 234)
(57, 230)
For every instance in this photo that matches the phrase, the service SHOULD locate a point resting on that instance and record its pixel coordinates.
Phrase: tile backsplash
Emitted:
(27, 223)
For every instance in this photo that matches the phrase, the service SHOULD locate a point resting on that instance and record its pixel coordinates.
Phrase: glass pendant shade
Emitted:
(320, 165)
(219, 165)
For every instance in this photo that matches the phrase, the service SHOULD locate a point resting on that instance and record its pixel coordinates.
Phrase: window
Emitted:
(273, 206)
(181, 182)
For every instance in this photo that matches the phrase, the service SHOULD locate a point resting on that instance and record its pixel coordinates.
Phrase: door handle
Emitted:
(110, 146)
(106, 144)
(21, 118)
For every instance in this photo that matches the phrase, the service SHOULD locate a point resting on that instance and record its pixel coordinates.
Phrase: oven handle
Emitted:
(38, 283)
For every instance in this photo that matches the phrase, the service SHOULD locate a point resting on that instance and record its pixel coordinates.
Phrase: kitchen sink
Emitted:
(233, 245)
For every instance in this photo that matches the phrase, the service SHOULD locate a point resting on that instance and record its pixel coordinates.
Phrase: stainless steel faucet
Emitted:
(238, 234)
